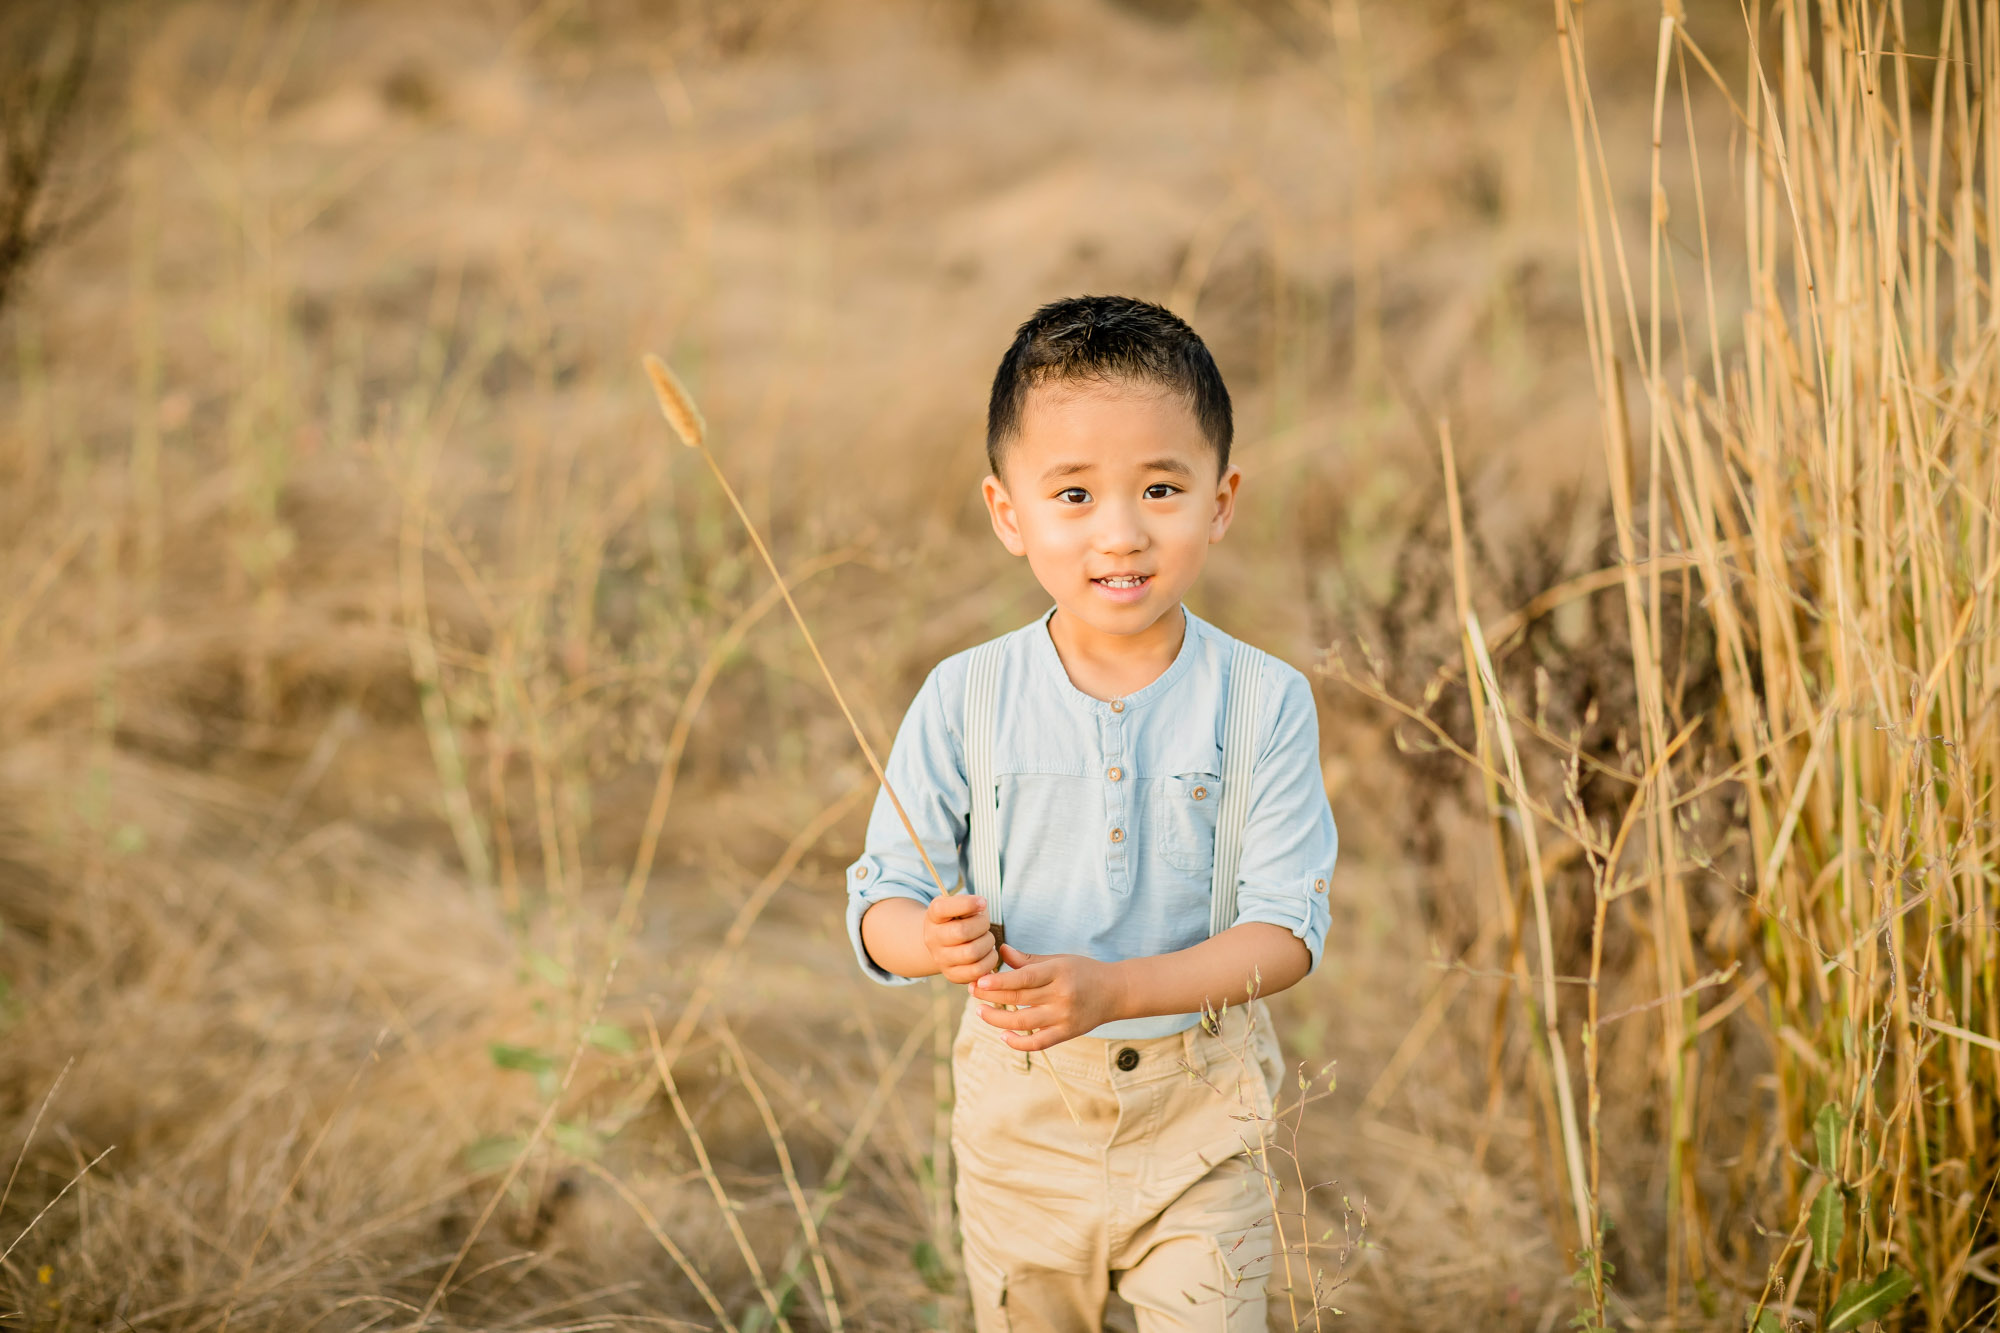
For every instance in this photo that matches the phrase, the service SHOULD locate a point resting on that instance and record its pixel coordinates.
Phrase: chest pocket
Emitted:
(1184, 810)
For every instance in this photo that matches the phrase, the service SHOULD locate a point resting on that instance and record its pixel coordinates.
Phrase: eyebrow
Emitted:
(1169, 464)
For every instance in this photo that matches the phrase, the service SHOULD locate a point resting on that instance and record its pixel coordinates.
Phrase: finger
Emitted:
(1013, 1020)
(1040, 997)
(951, 906)
(965, 955)
(962, 931)
(1013, 957)
(1021, 978)
(1038, 1041)
(968, 973)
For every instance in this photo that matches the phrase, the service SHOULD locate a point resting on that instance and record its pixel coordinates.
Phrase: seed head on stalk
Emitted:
(678, 406)
(676, 403)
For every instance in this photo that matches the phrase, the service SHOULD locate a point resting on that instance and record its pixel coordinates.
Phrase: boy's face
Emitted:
(1113, 494)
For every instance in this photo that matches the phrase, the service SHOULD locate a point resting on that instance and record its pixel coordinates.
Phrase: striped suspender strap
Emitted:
(982, 841)
(1239, 753)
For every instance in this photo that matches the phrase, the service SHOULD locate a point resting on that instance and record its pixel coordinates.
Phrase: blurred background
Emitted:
(408, 775)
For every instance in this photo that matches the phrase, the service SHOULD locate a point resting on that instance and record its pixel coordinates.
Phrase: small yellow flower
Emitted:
(45, 1274)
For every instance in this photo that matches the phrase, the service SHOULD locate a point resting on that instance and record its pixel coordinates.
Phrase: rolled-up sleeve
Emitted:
(1289, 841)
(927, 768)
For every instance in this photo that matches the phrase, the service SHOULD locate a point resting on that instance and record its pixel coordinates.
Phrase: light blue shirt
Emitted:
(1107, 810)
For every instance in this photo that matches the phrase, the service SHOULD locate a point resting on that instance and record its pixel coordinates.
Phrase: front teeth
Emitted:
(1123, 581)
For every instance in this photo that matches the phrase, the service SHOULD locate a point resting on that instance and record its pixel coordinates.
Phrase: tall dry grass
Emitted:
(1798, 405)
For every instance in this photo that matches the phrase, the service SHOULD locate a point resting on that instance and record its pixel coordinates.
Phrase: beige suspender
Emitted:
(1239, 739)
(1239, 756)
(982, 840)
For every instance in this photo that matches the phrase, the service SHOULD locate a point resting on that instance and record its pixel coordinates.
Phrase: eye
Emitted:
(1074, 495)
(1161, 490)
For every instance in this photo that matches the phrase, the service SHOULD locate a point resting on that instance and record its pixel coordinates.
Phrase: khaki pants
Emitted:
(1152, 1194)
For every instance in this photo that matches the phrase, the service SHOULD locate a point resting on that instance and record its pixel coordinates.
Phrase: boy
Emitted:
(1079, 773)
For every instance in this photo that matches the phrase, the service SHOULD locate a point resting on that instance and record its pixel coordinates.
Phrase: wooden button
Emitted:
(1118, 835)
(1115, 774)
(1319, 886)
(1199, 793)
(1117, 705)
(861, 872)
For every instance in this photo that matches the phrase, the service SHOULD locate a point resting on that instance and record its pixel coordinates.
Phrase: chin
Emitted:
(1133, 619)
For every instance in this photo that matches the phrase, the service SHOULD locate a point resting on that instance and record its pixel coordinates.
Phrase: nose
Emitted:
(1120, 529)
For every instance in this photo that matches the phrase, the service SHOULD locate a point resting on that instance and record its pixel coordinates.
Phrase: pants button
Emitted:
(1128, 1059)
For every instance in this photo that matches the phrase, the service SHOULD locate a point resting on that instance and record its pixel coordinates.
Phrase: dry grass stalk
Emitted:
(681, 413)
(844, 1157)
(28, 1139)
(663, 1240)
(43, 1212)
(808, 1224)
(520, 1158)
(1282, 1131)
(723, 1203)
(719, 962)
(298, 1174)
(679, 409)
(1550, 1018)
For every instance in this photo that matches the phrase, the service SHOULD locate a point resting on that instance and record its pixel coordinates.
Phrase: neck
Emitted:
(1111, 666)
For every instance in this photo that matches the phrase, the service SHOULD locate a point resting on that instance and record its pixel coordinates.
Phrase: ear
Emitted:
(1225, 502)
(1006, 522)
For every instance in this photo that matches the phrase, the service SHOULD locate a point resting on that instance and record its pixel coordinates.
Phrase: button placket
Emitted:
(1111, 730)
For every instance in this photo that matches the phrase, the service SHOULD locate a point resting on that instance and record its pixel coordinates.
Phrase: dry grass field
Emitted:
(421, 827)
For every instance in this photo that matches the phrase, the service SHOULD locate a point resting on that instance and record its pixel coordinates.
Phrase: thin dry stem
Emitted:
(723, 1203)
(808, 1225)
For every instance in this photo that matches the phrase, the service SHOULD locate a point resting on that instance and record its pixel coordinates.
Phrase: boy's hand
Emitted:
(1059, 996)
(960, 938)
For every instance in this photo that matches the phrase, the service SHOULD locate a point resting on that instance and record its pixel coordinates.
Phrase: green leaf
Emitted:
(524, 1058)
(1860, 1302)
(1826, 1137)
(576, 1140)
(930, 1266)
(548, 969)
(1825, 1224)
(611, 1037)
(493, 1152)
(1768, 1322)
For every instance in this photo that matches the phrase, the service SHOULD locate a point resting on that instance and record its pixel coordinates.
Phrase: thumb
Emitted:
(1014, 958)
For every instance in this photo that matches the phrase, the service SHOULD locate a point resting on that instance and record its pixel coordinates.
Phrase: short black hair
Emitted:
(1108, 338)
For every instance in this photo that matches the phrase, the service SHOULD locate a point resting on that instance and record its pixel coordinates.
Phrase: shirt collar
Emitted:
(1044, 649)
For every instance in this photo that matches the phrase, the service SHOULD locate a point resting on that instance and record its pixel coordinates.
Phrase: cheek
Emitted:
(1186, 531)
(1046, 534)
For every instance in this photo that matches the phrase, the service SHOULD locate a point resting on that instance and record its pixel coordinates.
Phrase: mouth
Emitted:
(1122, 588)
